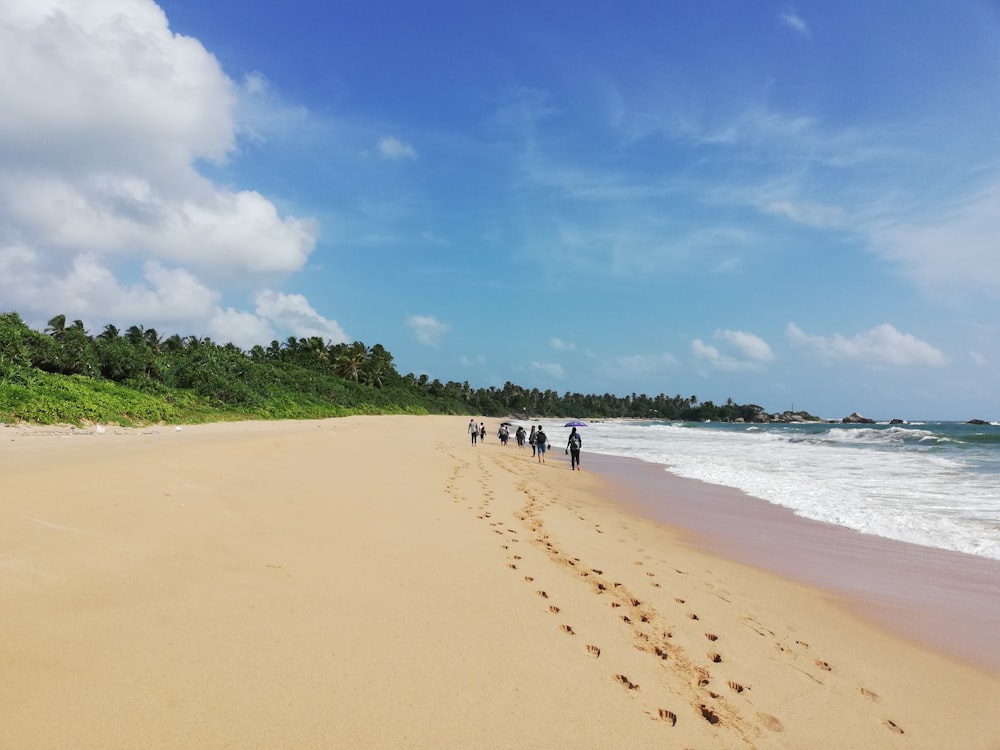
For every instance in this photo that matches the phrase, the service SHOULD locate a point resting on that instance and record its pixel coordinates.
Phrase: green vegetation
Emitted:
(65, 375)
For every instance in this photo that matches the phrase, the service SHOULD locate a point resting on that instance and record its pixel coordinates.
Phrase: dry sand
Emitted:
(379, 583)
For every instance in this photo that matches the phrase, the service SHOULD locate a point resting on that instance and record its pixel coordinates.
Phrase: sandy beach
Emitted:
(377, 582)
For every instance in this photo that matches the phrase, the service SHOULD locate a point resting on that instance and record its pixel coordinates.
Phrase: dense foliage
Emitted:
(66, 375)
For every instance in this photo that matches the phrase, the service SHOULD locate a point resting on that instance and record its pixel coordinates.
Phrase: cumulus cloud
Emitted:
(427, 329)
(391, 147)
(881, 345)
(106, 114)
(750, 351)
(749, 345)
(293, 312)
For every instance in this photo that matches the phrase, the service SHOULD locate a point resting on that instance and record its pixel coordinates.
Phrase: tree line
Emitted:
(60, 373)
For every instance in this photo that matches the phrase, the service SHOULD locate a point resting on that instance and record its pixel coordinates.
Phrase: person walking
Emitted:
(473, 430)
(573, 449)
(519, 436)
(541, 444)
(531, 440)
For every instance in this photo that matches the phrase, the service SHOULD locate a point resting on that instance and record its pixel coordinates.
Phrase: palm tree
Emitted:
(152, 339)
(351, 360)
(135, 335)
(110, 333)
(173, 343)
(57, 326)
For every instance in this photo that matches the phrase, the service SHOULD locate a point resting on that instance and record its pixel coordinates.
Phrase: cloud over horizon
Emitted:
(99, 142)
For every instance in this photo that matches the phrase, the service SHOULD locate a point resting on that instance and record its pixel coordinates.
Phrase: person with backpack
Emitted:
(573, 449)
(541, 444)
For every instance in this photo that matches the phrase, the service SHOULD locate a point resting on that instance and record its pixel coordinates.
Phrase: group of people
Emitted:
(537, 439)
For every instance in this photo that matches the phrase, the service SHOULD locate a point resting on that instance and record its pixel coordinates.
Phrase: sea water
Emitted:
(931, 483)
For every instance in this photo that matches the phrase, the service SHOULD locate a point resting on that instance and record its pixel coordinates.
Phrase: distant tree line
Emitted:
(300, 377)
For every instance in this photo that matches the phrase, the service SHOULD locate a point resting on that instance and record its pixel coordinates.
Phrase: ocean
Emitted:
(935, 484)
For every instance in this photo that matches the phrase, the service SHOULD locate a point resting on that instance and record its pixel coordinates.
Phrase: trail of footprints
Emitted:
(649, 635)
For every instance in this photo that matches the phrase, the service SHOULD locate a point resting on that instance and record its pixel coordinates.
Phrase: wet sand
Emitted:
(948, 601)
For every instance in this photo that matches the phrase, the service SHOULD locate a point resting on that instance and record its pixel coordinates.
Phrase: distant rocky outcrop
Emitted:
(786, 417)
(977, 421)
(856, 418)
(897, 421)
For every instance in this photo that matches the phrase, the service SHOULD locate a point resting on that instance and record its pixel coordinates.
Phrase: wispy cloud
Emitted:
(552, 369)
(394, 149)
(631, 367)
(427, 329)
(952, 248)
(791, 18)
(881, 345)
(560, 345)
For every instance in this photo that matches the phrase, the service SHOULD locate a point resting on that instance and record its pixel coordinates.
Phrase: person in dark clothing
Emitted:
(573, 449)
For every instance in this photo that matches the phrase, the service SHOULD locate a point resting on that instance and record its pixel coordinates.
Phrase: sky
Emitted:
(792, 205)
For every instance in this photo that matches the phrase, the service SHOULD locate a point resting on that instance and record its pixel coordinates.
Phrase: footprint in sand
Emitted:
(712, 636)
(823, 665)
(869, 694)
(708, 714)
(567, 629)
(892, 726)
(668, 716)
(593, 650)
(626, 682)
(770, 722)
(735, 686)
(542, 594)
(553, 609)
(715, 658)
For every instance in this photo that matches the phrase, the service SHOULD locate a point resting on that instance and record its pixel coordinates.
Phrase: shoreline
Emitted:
(378, 582)
(947, 601)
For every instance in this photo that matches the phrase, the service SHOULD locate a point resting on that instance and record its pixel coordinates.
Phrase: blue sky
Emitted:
(794, 205)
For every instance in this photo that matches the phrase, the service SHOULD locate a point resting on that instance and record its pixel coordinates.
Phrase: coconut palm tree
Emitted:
(351, 360)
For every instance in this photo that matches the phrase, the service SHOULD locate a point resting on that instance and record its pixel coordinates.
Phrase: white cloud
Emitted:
(244, 329)
(751, 351)
(552, 369)
(560, 345)
(427, 329)
(794, 21)
(750, 346)
(632, 366)
(881, 345)
(957, 251)
(391, 147)
(106, 113)
(294, 313)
